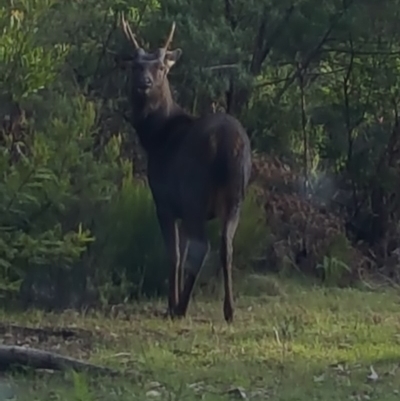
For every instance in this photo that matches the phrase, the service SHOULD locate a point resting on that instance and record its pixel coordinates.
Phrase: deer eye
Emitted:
(161, 67)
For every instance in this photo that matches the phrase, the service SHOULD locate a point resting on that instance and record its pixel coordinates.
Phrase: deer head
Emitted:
(149, 70)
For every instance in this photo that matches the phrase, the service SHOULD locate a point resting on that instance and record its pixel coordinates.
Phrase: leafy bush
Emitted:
(51, 183)
(130, 246)
(253, 233)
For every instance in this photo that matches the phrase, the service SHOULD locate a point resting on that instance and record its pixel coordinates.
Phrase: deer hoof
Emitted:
(172, 313)
(179, 312)
(166, 314)
(178, 316)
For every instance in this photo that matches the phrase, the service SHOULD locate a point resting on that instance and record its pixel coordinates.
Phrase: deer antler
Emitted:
(128, 32)
(170, 36)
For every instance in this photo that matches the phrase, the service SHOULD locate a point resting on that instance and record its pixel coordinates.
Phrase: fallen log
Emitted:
(13, 355)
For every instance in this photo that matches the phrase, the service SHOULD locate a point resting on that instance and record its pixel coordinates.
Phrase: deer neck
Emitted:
(150, 115)
(159, 103)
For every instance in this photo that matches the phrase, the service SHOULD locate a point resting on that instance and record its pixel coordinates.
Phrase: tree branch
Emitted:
(229, 14)
(276, 33)
(12, 355)
(366, 53)
(304, 126)
(221, 67)
(314, 52)
(262, 46)
(346, 90)
(312, 75)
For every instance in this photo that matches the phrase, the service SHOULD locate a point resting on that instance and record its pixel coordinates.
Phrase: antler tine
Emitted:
(170, 36)
(128, 32)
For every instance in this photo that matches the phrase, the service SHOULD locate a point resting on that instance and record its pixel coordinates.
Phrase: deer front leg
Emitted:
(169, 230)
(198, 249)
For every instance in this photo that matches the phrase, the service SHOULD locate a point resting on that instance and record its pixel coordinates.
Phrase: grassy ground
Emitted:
(288, 342)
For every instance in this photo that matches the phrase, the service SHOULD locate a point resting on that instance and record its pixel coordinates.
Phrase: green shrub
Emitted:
(249, 244)
(335, 265)
(51, 184)
(131, 253)
(251, 235)
(130, 244)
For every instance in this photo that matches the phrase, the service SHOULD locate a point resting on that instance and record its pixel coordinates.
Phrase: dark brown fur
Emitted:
(198, 170)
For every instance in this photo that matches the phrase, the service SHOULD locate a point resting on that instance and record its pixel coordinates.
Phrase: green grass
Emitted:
(288, 342)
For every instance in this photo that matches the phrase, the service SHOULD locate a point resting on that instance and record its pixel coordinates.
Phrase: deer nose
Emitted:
(146, 82)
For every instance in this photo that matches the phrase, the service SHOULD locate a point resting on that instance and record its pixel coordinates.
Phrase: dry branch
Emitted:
(221, 67)
(12, 355)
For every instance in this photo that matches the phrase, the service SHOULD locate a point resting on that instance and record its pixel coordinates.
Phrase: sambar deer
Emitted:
(198, 169)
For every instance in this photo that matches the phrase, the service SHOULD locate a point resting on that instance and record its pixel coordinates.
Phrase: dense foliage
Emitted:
(315, 83)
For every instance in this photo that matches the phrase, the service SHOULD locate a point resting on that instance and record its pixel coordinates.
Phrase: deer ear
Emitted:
(171, 57)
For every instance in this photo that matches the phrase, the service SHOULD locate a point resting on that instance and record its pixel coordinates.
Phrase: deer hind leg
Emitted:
(183, 250)
(226, 251)
(197, 251)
